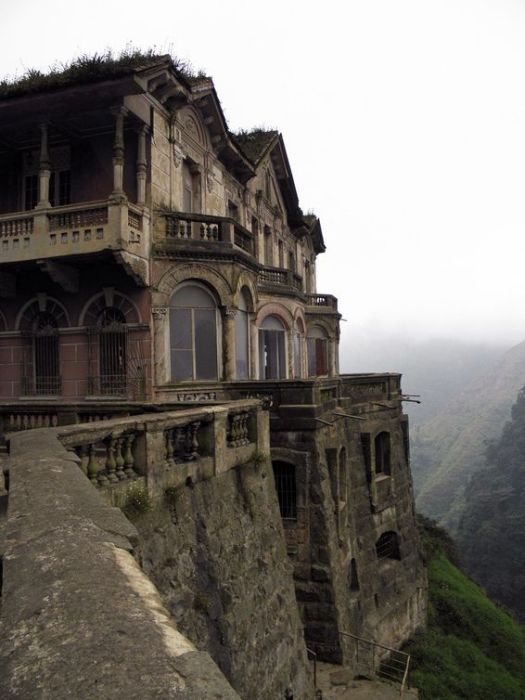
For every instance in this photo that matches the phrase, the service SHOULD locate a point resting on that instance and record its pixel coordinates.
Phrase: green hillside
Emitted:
(472, 648)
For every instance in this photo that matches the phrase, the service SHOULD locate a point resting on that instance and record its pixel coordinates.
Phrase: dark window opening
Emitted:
(406, 440)
(354, 579)
(367, 455)
(286, 487)
(42, 370)
(382, 453)
(113, 352)
(387, 546)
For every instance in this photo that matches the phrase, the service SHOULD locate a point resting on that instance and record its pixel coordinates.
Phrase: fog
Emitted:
(404, 124)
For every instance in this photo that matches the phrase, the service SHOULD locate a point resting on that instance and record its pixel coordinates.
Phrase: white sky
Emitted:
(404, 122)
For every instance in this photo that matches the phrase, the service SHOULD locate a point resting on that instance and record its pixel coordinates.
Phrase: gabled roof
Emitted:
(255, 143)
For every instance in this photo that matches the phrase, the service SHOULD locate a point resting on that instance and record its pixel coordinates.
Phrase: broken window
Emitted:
(387, 546)
(382, 453)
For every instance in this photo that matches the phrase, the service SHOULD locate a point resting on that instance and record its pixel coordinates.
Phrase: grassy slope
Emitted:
(472, 648)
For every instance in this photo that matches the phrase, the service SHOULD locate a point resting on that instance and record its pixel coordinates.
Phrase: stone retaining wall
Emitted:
(79, 618)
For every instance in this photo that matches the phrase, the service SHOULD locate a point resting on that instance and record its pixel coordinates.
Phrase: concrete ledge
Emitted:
(79, 617)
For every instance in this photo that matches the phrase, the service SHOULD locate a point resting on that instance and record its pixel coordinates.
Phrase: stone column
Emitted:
(141, 166)
(254, 346)
(44, 170)
(118, 154)
(161, 357)
(229, 343)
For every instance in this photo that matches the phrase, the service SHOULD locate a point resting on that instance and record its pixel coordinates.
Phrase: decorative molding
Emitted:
(159, 313)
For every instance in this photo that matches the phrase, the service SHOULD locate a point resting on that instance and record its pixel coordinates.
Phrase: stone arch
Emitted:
(198, 273)
(193, 126)
(42, 304)
(95, 306)
(299, 318)
(244, 281)
(320, 323)
(275, 309)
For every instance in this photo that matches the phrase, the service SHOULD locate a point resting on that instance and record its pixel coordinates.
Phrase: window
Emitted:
(242, 338)
(113, 352)
(46, 363)
(354, 579)
(193, 334)
(30, 191)
(272, 358)
(291, 261)
(40, 358)
(343, 484)
(382, 453)
(317, 345)
(280, 246)
(286, 487)
(387, 546)
(190, 187)
(268, 246)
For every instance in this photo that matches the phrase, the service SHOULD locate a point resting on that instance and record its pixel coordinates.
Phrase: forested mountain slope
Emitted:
(450, 447)
(492, 528)
(471, 648)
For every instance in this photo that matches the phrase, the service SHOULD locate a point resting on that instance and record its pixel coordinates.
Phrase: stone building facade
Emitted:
(148, 256)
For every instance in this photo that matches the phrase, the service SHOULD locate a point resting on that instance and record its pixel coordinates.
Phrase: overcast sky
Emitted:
(404, 122)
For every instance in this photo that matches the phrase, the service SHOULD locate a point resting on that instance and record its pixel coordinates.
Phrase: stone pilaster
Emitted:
(229, 343)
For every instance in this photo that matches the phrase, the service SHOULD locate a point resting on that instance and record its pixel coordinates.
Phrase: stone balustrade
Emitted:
(322, 302)
(168, 448)
(77, 610)
(71, 229)
(278, 277)
(183, 227)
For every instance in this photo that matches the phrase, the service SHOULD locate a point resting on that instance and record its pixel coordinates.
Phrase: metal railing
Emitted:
(382, 661)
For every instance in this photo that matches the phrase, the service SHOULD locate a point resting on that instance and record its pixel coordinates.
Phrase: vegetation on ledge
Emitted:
(471, 648)
(90, 68)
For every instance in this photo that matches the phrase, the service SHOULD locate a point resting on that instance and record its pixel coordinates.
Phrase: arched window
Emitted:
(193, 334)
(39, 325)
(46, 360)
(242, 337)
(113, 352)
(298, 334)
(387, 546)
(382, 453)
(272, 355)
(286, 487)
(317, 344)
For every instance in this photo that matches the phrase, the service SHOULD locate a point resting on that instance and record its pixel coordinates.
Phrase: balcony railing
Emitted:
(71, 229)
(279, 277)
(322, 302)
(185, 227)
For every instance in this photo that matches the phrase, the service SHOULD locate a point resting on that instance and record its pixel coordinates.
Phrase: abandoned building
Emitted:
(151, 261)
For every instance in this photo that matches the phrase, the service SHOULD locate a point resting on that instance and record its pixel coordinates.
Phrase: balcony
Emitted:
(75, 229)
(277, 280)
(200, 233)
(321, 303)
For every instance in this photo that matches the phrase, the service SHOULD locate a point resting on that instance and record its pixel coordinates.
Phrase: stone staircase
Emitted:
(344, 683)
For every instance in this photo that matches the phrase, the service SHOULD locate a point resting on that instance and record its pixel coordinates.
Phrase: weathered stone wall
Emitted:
(343, 508)
(79, 619)
(216, 554)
